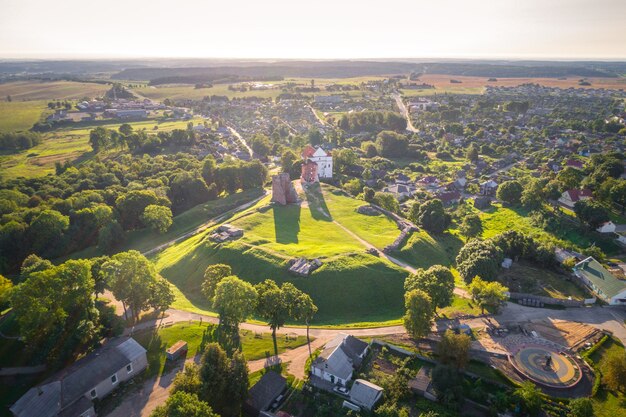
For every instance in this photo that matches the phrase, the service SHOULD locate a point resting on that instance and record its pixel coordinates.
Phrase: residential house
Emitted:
(340, 357)
(449, 198)
(570, 197)
(267, 391)
(482, 203)
(365, 394)
(323, 159)
(400, 191)
(607, 227)
(429, 182)
(601, 282)
(574, 163)
(488, 187)
(71, 392)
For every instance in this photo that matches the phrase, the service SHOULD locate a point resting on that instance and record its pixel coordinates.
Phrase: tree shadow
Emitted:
(317, 204)
(286, 223)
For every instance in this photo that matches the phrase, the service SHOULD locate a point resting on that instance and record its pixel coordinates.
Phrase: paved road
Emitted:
(242, 140)
(405, 113)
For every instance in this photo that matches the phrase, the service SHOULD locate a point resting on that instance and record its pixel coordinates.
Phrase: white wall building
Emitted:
(323, 159)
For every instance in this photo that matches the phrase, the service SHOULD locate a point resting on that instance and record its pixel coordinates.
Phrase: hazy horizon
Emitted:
(280, 29)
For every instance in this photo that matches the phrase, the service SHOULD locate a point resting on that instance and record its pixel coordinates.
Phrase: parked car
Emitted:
(341, 391)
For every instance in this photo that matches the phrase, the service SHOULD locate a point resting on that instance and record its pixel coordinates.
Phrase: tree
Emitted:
(208, 170)
(448, 385)
(419, 313)
(614, 371)
(481, 258)
(6, 285)
(261, 145)
(510, 192)
(183, 404)
(530, 397)
(436, 281)
(213, 274)
(100, 283)
(99, 138)
(47, 229)
(132, 205)
(188, 380)
(224, 380)
(487, 294)
(157, 218)
(387, 201)
(161, 297)
(430, 215)
(471, 226)
(187, 189)
(534, 195)
(472, 152)
(235, 300)
(453, 349)
(131, 278)
(287, 160)
(305, 309)
(272, 306)
(618, 194)
(581, 407)
(569, 178)
(391, 144)
(591, 213)
(55, 310)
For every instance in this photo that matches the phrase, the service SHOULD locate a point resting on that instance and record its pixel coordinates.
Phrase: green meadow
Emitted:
(20, 115)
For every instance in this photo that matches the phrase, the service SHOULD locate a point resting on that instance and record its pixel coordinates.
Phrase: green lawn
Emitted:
(498, 219)
(197, 335)
(459, 307)
(605, 403)
(351, 286)
(423, 250)
(20, 115)
(526, 278)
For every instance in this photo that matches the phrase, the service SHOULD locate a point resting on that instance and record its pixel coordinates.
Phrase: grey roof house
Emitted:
(601, 282)
(70, 392)
(264, 393)
(340, 357)
(365, 394)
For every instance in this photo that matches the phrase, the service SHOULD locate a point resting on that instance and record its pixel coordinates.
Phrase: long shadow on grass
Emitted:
(286, 223)
(317, 204)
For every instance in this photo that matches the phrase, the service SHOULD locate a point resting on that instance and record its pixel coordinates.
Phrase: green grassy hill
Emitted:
(351, 285)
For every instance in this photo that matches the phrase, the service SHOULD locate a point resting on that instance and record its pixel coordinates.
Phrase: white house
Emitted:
(601, 282)
(323, 159)
(606, 227)
(71, 392)
(340, 357)
(570, 197)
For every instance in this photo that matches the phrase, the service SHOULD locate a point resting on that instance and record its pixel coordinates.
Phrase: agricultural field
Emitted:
(20, 115)
(188, 91)
(476, 85)
(51, 90)
(350, 286)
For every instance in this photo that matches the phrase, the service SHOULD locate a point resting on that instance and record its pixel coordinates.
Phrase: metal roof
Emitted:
(605, 283)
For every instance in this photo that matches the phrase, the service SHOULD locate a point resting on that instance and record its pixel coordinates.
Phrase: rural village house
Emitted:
(71, 392)
(339, 359)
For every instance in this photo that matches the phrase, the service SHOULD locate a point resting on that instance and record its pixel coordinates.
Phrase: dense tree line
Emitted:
(372, 121)
(13, 141)
(95, 203)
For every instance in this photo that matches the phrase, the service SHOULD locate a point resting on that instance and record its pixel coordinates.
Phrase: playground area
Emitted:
(545, 366)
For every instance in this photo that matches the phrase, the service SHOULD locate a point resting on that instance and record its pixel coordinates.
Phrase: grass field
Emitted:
(423, 250)
(51, 90)
(197, 335)
(20, 115)
(606, 403)
(498, 219)
(351, 286)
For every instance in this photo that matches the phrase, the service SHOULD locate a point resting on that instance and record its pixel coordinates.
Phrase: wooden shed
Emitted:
(177, 350)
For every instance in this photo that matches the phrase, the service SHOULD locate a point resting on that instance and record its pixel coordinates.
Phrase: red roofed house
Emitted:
(573, 163)
(570, 197)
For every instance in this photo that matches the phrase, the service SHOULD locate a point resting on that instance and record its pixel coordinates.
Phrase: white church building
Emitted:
(323, 159)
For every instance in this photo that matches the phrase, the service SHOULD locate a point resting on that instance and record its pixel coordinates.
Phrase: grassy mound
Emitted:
(351, 286)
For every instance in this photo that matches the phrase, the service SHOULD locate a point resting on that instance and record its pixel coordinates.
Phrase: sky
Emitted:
(320, 29)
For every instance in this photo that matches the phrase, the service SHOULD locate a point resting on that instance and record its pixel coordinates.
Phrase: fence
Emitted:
(538, 300)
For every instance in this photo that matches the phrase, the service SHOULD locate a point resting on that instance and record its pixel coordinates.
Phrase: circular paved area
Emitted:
(531, 361)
